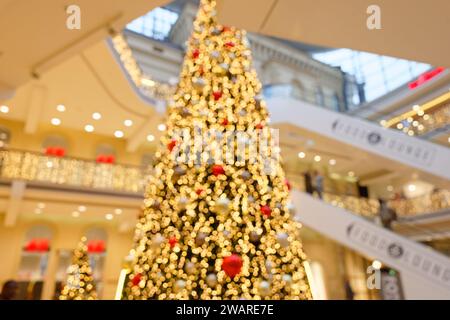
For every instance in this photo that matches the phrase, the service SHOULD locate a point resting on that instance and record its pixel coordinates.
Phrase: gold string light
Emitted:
(216, 230)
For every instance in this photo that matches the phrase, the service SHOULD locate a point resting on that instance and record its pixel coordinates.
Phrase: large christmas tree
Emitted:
(217, 222)
(80, 283)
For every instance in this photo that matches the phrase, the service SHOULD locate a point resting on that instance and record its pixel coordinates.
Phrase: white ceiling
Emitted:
(410, 29)
(34, 36)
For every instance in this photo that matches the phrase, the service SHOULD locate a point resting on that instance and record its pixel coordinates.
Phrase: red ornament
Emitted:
(217, 95)
(173, 241)
(259, 126)
(230, 44)
(195, 53)
(265, 210)
(226, 28)
(225, 122)
(171, 144)
(288, 184)
(101, 158)
(136, 279)
(96, 246)
(199, 191)
(55, 151)
(232, 265)
(217, 169)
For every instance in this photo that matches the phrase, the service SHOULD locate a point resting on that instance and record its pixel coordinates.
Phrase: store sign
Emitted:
(404, 255)
(391, 287)
(406, 148)
(425, 77)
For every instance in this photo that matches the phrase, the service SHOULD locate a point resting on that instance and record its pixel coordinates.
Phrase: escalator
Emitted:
(425, 273)
(417, 153)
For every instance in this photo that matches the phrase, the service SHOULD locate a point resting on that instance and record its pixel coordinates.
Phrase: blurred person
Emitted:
(318, 183)
(387, 214)
(9, 290)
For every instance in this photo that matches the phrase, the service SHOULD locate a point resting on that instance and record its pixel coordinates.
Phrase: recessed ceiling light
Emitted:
(301, 155)
(61, 107)
(351, 174)
(150, 138)
(96, 116)
(332, 162)
(75, 214)
(317, 158)
(161, 127)
(109, 216)
(82, 208)
(118, 211)
(89, 128)
(37, 211)
(41, 205)
(390, 188)
(118, 134)
(128, 123)
(4, 109)
(412, 187)
(55, 121)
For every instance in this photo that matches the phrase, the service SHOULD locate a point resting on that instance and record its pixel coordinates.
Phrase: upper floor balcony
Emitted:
(99, 176)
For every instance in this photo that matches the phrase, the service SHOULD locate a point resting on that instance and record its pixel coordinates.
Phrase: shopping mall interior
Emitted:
(357, 97)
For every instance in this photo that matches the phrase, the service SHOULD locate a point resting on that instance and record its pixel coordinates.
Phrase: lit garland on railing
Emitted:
(422, 119)
(153, 89)
(75, 172)
(362, 206)
(437, 201)
(71, 172)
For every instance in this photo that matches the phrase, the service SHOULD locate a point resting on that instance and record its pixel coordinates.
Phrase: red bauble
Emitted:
(230, 44)
(232, 265)
(259, 126)
(110, 159)
(265, 210)
(217, 95)
(195, 53)
(217, 170)
(173, 241)
(199, 191)
(136, 279)
(225, 29)
(225, 122)
(288, 184)
(171, 144)
(60, 152)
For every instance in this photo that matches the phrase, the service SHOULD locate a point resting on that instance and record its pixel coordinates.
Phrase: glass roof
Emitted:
(379, 74)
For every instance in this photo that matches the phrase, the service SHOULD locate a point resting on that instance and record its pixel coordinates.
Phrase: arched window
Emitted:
(319, 97)
(336, 102)
(105, 149)
(33, 262)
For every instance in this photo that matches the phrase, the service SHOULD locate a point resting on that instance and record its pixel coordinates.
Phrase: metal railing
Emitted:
(436, 201)
(72, 172)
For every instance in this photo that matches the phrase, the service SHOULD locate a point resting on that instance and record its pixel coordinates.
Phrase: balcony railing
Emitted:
(434, 202)
(81, 173)
(71, 172)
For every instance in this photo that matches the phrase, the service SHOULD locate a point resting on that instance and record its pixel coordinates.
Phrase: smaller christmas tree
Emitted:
(80, 282)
